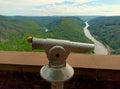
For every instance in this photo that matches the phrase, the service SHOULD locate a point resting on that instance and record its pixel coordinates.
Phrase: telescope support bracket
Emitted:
(57, 56)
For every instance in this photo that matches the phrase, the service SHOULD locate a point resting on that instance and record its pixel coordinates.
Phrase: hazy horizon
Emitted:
(61, 15)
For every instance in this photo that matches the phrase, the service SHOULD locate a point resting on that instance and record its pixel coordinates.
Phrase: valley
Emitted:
(14, 30)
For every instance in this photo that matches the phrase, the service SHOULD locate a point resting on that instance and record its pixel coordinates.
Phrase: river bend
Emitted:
(99, 47)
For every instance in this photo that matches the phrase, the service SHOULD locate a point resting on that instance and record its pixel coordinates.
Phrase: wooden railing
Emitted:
(101, 67)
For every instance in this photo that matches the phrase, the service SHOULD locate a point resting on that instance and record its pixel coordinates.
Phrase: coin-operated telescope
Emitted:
(57, 71)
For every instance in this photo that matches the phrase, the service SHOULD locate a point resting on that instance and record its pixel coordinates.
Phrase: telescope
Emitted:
(57, 70)
(46, 44)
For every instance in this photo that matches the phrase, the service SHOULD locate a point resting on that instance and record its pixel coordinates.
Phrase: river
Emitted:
(99, 47)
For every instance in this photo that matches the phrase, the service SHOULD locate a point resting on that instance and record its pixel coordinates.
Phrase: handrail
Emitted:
(76, 60)
(93, 66)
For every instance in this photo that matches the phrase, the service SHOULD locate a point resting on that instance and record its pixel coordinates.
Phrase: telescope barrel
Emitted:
(45, 44)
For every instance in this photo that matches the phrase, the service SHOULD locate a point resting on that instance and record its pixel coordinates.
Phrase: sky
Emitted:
(59, 7)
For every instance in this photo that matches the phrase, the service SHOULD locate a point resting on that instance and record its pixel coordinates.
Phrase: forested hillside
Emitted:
(15, 30)
(107, 29)
(68, 29)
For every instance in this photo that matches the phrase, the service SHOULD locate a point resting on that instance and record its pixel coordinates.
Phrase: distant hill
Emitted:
(87, 18)
(107, 29)
(15, 29)
(68, 29)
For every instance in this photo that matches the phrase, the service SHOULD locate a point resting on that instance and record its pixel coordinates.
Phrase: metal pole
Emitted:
(57, 85)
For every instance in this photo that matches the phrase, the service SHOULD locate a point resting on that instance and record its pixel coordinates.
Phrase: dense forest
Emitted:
(14, 30)
(107, 30)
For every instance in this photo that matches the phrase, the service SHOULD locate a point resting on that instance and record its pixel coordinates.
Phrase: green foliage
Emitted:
(15, 30)
(68, 29)
(107, 29)
(117, 51)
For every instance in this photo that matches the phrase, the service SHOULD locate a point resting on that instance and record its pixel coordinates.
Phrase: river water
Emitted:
(99, 47)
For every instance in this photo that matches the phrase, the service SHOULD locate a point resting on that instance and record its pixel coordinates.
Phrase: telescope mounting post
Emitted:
(57, 71)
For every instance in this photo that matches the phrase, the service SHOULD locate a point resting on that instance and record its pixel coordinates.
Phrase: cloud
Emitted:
(83, 1)
(30, 2)
(79, 10)
(56, 7)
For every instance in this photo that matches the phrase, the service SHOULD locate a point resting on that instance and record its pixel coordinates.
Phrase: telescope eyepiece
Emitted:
(29, 39)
